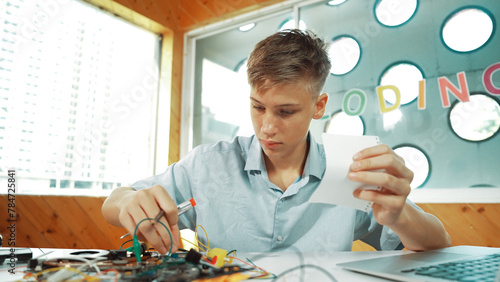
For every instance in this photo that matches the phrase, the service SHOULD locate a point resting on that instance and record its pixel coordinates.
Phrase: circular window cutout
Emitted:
(335, 2)
(290, 24)
(467, 29)
(395, 12)
(344, 124)
(405, 76)
(416, 161)
(476, 120)
(246, 27)
(344, 54)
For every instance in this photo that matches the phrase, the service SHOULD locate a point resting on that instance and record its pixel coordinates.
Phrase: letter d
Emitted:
(380, 93)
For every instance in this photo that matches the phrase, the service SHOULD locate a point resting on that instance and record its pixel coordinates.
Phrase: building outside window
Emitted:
(77, 97)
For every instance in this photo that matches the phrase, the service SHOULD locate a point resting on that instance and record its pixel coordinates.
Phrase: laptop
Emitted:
(459, 263)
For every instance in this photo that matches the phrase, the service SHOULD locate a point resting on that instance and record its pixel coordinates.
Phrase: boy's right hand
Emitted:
(132, 206)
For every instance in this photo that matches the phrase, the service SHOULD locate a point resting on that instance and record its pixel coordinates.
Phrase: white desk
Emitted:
(275, 263)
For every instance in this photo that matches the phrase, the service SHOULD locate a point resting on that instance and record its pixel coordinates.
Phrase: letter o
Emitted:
(347, 100)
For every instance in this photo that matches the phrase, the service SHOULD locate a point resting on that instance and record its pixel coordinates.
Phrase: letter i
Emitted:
(421, 95)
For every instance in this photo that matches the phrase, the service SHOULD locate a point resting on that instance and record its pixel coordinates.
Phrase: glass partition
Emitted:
(405, 86)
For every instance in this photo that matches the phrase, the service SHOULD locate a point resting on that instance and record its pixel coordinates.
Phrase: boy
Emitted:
(252, 193)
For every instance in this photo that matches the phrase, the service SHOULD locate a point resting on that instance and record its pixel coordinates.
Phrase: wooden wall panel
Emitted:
(198, 13)
(186, 15)
(76, 222)
(469, 224)
(163, 12)
(60, 222)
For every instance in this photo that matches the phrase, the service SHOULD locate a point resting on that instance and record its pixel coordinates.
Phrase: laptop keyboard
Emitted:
(483, 268)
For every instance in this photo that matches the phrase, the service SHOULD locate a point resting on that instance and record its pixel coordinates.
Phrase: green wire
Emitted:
(137, 246)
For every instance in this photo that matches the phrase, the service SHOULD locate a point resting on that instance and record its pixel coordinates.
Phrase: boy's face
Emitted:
(281, 116)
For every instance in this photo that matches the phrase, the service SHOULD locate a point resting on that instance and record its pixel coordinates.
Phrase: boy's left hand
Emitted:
(381, 166)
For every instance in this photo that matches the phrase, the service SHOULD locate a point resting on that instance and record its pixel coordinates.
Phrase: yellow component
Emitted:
(187, 239)
(220, 254)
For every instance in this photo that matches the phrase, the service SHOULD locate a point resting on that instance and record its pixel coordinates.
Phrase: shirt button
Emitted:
(280, 238)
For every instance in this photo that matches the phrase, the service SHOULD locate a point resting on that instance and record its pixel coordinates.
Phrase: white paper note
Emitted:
(336, 188)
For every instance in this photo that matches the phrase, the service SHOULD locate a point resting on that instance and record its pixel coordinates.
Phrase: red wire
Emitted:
(253, 266)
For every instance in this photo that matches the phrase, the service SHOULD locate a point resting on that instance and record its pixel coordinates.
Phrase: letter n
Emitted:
(445, 85)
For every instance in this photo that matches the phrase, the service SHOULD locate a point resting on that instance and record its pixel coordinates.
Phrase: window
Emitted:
(343, 124)
(246, 27)
(476, 120)
(335, 2)
(221, 108)
(467, 30)
(405, 76)
(395, 12)
(344, 54)
(225, 107)
(290, 24)
(417, 161)
(85, 92)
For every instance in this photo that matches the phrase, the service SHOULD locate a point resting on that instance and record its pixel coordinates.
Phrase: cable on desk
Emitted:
(264, 273)
(121, 246)
(62, 268)
(91, 263)
(330, 276)
(198, 241)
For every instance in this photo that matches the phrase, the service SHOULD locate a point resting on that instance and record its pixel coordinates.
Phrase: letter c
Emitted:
(488, 77)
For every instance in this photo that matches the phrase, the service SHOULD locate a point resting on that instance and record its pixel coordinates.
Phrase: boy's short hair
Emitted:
(289, 56)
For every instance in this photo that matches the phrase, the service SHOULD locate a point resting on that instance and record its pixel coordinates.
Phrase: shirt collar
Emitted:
(254, 156)
(315, 163)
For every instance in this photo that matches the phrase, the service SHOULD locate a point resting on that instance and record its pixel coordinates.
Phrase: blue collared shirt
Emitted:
(241, 209)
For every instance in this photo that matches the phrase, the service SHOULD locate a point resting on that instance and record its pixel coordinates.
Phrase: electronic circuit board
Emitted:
(121, 265)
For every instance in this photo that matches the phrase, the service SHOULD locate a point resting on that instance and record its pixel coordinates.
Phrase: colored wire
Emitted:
(166, 228)
(264, 273)
(90, 263)
(302, 266)
(87, 262)
(65, 268)
(121, 246)
(28, 275)
(184, 239)
(198, 243)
